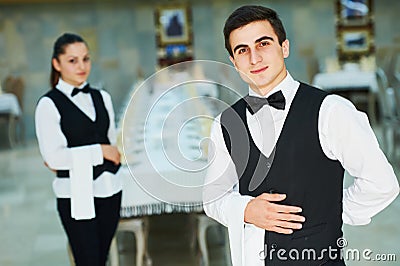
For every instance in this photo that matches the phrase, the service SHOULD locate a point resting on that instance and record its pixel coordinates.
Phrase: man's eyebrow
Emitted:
(264, 38)
(256, 41)
(237, 47)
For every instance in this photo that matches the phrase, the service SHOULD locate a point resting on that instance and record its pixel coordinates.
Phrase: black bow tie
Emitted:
(276, 100)
(85, 89)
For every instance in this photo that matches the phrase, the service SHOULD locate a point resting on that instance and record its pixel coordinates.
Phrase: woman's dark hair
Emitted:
(248, 14)
(59, 48)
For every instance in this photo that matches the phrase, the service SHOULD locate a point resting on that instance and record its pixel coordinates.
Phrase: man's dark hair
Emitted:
(251, 13)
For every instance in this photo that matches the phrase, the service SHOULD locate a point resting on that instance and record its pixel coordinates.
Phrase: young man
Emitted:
(279, 154)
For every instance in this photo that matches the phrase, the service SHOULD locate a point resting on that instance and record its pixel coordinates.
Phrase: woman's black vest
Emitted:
(80, 130)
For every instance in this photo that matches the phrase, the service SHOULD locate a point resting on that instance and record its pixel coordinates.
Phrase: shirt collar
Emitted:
(67, 88)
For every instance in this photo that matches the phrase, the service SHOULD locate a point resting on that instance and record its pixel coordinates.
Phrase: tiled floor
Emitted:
(31, 233)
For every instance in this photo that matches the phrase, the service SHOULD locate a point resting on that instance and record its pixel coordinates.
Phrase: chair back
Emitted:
(385, 95)
(16, 86)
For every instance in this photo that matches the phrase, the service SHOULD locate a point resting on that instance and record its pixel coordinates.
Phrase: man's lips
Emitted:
(258, 70)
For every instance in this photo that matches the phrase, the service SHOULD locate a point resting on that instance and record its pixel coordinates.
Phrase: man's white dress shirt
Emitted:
(344, 134)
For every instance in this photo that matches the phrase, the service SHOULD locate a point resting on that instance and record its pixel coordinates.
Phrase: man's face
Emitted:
(258, 56)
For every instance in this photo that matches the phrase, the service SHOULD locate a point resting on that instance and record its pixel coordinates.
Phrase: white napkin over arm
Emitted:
(81, 178)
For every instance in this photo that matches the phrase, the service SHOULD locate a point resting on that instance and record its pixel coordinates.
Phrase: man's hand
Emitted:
(111, 153)
(263, 213)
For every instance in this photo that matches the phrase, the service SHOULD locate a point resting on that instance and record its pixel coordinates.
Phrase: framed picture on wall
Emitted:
(355, 42)
(173, 25)
(354, 12)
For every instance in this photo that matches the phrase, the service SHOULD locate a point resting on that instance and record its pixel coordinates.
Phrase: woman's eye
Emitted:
(86, 59)
(72, 61)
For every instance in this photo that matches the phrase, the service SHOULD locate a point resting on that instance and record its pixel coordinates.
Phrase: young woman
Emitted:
(76, 134)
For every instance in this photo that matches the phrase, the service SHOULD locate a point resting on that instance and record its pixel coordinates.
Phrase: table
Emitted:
(10, 112)
(353, 81)
(164, 156)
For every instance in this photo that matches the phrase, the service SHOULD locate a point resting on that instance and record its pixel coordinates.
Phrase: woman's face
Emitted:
(74, 65)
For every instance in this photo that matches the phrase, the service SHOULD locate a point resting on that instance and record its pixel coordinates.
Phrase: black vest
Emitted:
(80, 130)
(299, 168)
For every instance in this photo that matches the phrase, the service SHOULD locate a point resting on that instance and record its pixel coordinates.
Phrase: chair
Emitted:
(16, 86)
(203, 223)
(140, 228)
(393, 67)
(389, 115)
(10, 115)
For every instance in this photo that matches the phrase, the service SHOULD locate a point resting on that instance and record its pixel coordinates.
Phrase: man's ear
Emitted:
(285, 48)
(56, 64)
(233, 61)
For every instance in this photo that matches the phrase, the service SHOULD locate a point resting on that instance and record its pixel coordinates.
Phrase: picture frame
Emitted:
(354, 12)
(354, 42)
(173, 25)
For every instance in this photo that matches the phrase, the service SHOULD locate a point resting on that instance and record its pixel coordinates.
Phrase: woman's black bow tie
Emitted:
(85, 89)
(276, 100)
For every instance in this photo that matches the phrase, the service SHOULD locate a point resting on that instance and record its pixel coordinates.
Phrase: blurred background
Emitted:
(347, 47)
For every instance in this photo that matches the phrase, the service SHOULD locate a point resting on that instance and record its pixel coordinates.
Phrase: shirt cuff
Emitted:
(239, 206)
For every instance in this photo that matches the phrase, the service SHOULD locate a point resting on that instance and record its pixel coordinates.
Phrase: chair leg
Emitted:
(193, 230)
(148, 260)
(20, 137)
(113, 255)
(140, 247)
(139, 227)
(12, 130)
(386, 139)
(389, 141)
(202, 230)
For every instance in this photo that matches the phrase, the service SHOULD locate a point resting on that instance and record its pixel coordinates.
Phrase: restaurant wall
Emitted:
(122, 39)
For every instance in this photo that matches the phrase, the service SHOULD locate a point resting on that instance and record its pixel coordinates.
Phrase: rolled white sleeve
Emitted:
(52, 142)
(346, 136)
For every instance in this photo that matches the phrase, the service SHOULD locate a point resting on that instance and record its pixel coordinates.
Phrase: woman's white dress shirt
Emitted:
(53, 144)
(344, 134)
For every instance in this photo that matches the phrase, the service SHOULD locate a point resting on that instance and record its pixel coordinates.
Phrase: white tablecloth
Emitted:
(165, 158)
(353, 81)
(346, 80)
(9, 104)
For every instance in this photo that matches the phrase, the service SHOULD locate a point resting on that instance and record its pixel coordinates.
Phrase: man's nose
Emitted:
(255, 57)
